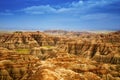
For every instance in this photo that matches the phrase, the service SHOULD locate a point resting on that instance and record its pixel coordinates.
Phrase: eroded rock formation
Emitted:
(14, 66)
(60, 55)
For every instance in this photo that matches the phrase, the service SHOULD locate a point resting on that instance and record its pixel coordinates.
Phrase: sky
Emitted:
(60, 14)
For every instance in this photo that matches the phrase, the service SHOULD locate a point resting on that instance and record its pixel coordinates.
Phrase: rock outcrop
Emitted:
(14, 66)
(60, 55)
(18, 40)
(74, 68)
(25, 40)
(44, 52)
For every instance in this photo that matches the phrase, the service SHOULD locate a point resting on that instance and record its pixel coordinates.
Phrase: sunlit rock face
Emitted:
(95, 46)
(20, 39)
(60, 55)
(61, 69)
(14, 66)
(91, 49)
(43, 39)
(44, 52)
(74, 68)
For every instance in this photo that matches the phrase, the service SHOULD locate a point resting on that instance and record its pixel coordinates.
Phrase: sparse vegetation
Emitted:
(71, 56)
(23, 51)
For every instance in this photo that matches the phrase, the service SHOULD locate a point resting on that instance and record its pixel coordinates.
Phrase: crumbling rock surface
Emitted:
(60, 55)
(74, 68)
(113, 59)
(42, 39)
(18, 40)
(25, 40)
(14, 66)
(90, 49)
(44, 52)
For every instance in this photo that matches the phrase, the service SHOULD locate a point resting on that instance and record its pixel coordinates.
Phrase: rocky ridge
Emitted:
(74, 56)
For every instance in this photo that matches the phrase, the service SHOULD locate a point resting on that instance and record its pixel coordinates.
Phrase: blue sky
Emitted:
(60, 14)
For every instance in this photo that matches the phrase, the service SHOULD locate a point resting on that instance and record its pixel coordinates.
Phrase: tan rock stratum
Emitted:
(60, 55)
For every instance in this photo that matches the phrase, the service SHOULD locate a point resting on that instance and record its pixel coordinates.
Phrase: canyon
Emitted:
(59, 55)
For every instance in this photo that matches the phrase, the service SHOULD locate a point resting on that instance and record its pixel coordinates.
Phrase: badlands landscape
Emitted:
(59, 55)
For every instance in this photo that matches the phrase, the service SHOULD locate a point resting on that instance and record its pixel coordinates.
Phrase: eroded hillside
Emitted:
(59, 55)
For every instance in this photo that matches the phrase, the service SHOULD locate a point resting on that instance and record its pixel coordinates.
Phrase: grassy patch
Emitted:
(23, 51)
(47, 46)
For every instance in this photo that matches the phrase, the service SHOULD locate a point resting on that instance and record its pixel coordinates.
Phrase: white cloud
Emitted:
(63, 10)
(42, 9)
(45, 9)
(74, 7)
(76, 4)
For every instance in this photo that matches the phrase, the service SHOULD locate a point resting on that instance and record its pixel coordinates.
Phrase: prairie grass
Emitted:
(47, 46)
(23, 51)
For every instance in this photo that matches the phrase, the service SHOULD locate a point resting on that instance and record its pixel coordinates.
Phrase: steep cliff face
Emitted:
(25, 40)
(98, 47)
(45, 52)
(74, 67)
(113, 59)
(43, 39)
(70, 56)
(18, 40)
(113, 38)
(90, 49)
(14, 66)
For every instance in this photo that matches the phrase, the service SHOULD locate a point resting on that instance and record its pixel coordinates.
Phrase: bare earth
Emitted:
(59, 55)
